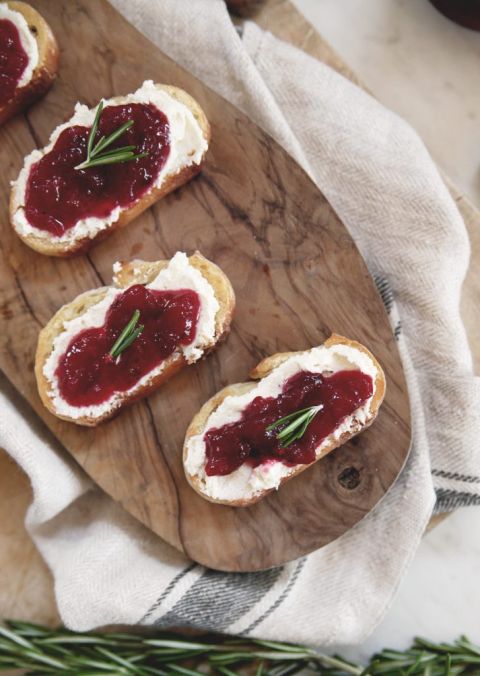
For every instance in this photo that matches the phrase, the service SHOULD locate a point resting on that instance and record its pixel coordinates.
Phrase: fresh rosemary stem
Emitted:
(298, 421)
(48, 651)
(96, 155)
(39, 650)
(127, 336)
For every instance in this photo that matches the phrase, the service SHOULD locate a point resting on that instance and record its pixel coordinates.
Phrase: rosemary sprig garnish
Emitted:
(128, 335)
(40, 650)
(298, 421)
(96, 155)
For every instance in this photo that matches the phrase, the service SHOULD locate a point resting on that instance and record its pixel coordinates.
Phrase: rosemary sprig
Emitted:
(39, 650)
(128, 335)
(96, 155)
(298, 421)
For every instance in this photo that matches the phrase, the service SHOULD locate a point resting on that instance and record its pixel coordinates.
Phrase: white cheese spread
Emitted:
(246, 482)
(27, 40)
(187, 147)
(179, 274)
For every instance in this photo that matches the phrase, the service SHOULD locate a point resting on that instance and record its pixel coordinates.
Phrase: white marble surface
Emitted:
(440, 596)
(419, 64)
(427, 69)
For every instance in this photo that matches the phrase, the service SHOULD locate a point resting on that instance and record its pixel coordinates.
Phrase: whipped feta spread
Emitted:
(187, 147)
(179, 274)
(27, 40)
(246, 482)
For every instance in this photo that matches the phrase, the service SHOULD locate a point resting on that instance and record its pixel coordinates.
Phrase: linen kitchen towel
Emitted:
(378, 176)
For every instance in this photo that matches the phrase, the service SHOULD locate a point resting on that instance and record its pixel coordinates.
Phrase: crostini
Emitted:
(113, 345)
(105, 166)
(250, 438)
(28, 57)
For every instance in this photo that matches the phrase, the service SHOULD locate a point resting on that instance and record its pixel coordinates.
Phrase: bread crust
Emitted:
(51, 247)
(134, 272)
(263, 369)
(47, 67)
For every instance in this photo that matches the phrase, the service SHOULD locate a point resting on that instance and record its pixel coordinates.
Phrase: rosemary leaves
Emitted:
(298, 421)
(128, 335)
(37, 649)
(98, 154)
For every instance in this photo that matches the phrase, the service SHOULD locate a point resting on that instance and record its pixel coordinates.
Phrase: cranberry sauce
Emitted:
(13, 60)
(58, 195)
(88, 375)
(247, 440)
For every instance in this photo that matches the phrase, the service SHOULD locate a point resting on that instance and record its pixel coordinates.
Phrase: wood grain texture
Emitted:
(26, 589)
(297, 276)
(286, 22)
(26, 585)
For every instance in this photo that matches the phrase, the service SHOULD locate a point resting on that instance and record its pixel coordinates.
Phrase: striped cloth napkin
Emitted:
(378, 176)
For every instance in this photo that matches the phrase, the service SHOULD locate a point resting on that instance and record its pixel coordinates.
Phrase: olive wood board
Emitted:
(297, 275)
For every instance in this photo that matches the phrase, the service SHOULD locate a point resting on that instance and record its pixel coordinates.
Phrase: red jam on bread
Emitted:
(58, 195)
(249, 441)
(13, 60)
(87, 374)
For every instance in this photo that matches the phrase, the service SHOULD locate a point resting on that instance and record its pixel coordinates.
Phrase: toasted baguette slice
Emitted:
(47, 66)
(127, 274)
(252, 494)
(76, 244)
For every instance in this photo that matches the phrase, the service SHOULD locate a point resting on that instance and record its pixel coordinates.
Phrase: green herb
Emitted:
(298, 421)
(128, 335)
(39, 650)
(96, 155)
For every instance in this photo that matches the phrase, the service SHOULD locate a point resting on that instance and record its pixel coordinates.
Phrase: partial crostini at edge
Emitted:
(105, 166)
(251, 437)
(113, 345)
(28, 57)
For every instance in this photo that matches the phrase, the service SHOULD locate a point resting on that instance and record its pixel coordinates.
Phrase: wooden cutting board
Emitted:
(297, 275)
